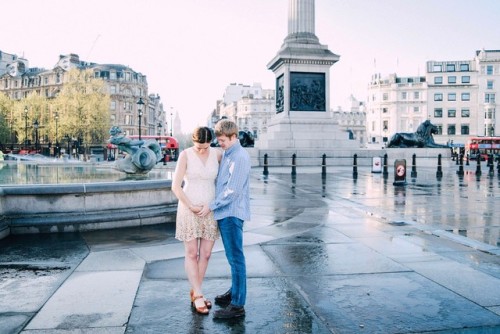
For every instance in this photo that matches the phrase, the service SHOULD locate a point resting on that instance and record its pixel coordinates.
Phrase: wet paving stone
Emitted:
(272, 307)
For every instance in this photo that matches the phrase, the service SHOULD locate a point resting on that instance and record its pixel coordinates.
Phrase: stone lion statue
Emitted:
(420, 138)
(142, 155)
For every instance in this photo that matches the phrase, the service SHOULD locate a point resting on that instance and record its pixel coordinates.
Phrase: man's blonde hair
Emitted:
(225, 127)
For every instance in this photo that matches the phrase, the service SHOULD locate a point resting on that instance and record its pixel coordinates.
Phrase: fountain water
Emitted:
(45, 195)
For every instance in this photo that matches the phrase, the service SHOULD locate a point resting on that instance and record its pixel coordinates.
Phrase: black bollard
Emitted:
(456, 162)
(323, 166)
(467, 160)
(460, 171)
(491, 164)
(498, 165)
(355, 167)
(478, 166)
(414, 165)
(266, 170)
(439, 172)
(294, 170)
(385, 173)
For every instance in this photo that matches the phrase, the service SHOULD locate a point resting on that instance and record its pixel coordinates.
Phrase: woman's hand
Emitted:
(205, 210)
(195, 208)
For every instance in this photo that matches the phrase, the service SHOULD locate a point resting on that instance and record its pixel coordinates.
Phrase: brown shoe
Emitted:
(199, 309)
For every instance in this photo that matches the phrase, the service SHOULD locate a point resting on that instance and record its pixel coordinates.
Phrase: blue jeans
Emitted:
(231, 231)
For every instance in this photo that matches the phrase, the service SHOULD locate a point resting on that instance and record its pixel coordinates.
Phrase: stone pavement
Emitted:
(324, 255)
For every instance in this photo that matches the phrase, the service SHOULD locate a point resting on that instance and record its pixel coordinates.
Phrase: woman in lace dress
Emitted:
(197, 167)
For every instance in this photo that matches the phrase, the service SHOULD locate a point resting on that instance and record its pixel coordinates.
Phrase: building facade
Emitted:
(459, 97)
(125, 87)
(250, 107)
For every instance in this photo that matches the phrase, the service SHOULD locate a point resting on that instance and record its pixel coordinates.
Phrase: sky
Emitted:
(190, 50)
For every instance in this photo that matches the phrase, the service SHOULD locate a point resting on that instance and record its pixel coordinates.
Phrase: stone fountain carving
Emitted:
(142, 155)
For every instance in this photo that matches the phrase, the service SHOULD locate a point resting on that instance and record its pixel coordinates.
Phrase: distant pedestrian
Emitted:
(197, 167)
(231, 207)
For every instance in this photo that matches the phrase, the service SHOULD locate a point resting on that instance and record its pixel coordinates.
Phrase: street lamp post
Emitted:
(35, 125)
(159, 131)
(25, 126)
(12, 134)
(140, 103)
(171, 124)
(56, 117)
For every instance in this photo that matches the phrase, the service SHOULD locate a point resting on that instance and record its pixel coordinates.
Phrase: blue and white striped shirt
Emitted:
(232, 186)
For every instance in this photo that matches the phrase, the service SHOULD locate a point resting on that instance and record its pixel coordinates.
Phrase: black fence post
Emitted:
(460, 171)
(478, 166)
(266, 170)
(323, 165)
(413, 165)
(294, 170)
(491, 164)
(385, 173)
(439, 172)
(355, 167)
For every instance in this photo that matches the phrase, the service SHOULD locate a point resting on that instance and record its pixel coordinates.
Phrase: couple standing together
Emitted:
(214, 200)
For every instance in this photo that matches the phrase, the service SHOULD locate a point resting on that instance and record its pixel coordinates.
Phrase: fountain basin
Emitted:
(85, 206)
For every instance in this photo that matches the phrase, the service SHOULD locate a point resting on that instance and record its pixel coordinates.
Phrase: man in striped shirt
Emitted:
(231, 207)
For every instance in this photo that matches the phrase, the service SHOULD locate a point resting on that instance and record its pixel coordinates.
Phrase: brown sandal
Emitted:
(207, 301)
(201, 310)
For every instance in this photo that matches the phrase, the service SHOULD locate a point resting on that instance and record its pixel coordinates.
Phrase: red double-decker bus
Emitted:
(482, 147)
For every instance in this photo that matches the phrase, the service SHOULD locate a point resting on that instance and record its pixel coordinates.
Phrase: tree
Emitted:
(83, 107)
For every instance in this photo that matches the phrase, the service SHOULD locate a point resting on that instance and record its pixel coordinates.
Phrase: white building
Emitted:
(249, 106)
(395, 104)
(456, 96)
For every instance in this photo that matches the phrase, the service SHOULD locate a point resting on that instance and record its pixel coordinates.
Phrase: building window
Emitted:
(489, 84)
(489, 98)
(438, 80)
(113, 105)
(464, 129)
(416, 109)
(452, 96)
(385, 97)
(464, 67)
(452, 112)
(385, 126)
(465, 112)
(436, 68)
(490, 113)
(403, 95)
(489, 69)
(465, 96)
(450, 68)
(438, 97)
(451, 129)
(438, 112)
(439, 129)
(416, 95)
(112, 89)
(452, 79)
(384, 110)
(465, 79)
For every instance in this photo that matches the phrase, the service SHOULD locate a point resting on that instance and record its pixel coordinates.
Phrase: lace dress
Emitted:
(199, 187)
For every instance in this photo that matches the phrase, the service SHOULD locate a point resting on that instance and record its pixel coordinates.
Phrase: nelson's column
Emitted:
(303, 123)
